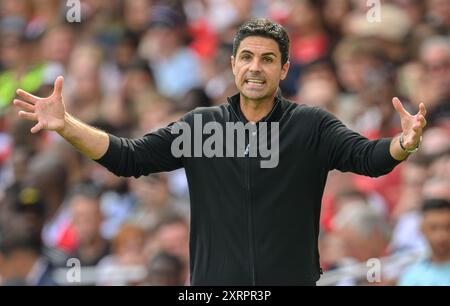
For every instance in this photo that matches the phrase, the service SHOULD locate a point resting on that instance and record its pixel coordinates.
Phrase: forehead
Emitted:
(259, 45)
(81, 202)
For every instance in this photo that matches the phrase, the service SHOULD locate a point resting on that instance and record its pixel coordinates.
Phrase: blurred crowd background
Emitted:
(133, 66)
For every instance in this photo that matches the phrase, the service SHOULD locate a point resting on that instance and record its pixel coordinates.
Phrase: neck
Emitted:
(255, 110)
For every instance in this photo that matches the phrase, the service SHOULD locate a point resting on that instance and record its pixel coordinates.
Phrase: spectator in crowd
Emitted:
(364, 232)
(364, 235)
(20, 67)
(164, 46)
(23, 258)
(127, 257)
(154, 201)
(434, 269)
(165, 270)
(406, 215)
(91, 247)
(22, 262)
(171, 235)
(435, 86)
(48, 174)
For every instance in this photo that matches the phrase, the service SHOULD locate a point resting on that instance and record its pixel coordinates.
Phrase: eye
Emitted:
(268, 59)
(245, 56)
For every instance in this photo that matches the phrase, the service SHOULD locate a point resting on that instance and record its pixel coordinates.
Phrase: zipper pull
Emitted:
(247, 150)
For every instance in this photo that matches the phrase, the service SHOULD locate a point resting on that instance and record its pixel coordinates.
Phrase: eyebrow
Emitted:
(264, 54)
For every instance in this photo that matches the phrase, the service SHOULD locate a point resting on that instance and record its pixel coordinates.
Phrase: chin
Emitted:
(254, 96)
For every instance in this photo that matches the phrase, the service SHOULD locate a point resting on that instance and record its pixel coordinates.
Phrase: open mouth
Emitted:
(255, 81)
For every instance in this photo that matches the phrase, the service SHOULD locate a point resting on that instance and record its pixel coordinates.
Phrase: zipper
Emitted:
(250, 218)
(247, 149)
(249, 204)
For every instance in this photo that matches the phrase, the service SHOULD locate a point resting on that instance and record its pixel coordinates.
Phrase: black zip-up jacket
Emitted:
(253, 225)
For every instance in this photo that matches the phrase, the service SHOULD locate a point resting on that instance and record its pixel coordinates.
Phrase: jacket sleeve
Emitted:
(346, 150)
(142, 156)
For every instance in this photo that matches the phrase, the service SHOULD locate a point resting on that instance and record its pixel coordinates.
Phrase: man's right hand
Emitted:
(48, 112)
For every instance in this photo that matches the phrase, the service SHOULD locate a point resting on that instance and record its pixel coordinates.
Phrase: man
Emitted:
(250, 224)
(23, 263)
(84, 203)
(434, 270)
(23, 259)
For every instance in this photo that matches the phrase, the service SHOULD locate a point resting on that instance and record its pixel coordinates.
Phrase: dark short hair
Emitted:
(264, 27)
(86, 190)
(435, 204)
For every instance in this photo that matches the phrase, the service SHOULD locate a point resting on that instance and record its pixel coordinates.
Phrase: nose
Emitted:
(255, 66)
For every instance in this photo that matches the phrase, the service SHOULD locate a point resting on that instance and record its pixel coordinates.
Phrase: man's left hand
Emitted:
(412, 125)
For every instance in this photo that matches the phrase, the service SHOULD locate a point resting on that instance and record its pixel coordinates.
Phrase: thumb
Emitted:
(422, 109)
(57, 89)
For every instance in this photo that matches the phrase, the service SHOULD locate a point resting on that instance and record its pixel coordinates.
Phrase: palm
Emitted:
(48, 112)
(407, 125)
(51, 112)
(412, 125)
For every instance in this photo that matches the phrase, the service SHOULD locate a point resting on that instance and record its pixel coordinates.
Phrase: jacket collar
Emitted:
(274, 115)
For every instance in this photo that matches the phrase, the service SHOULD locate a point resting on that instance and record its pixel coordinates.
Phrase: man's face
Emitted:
(361, 247)
(257, 68)
(437, 64)
(174, 239)
(87, 218)
(436, 228)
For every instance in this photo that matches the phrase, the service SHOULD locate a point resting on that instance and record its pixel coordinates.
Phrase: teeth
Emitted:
(255, 81)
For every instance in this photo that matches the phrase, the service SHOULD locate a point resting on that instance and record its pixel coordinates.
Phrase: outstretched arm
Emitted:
(347, 150)
(412, 129)
(50, 114)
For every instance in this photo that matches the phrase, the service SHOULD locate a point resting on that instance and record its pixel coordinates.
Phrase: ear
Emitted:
(233, 64)
(284, 70)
